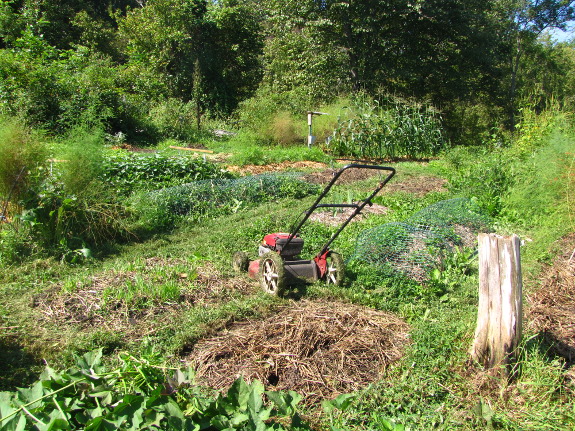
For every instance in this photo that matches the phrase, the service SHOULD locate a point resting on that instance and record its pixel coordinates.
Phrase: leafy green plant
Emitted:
(488, 182)
(210, 198)
(22, 157)
(141, 393)
(174, 118)
(265, 155)
(453, 267)
(131, 172)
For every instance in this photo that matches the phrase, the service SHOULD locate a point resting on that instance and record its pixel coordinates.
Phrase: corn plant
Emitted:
(391, 132)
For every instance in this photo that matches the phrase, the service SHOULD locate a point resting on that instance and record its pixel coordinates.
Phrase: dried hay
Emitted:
(551, 308)
(316, 349)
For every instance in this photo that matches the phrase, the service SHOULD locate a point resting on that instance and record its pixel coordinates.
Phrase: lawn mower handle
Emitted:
(358, 207)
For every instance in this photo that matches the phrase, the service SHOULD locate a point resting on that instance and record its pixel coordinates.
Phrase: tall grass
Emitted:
(22, 153)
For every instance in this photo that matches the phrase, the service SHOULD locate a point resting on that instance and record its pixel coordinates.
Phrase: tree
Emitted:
(188, 45)
(527, 19)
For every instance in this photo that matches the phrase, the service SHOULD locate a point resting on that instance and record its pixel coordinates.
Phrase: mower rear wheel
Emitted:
(240, 261)
(335, 273)
(272, 274)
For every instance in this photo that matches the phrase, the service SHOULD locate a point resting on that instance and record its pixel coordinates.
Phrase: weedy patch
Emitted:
(419, 186)
(336, 218)
(126, 300)
(274, 167)
(319, 350)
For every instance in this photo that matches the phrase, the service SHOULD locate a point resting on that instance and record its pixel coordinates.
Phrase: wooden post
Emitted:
(500, 314)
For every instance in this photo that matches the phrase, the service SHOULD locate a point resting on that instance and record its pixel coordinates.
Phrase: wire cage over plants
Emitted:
(417, 245)
(211, 198)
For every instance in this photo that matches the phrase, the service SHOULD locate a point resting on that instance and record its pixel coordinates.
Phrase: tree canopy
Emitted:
(117, 61)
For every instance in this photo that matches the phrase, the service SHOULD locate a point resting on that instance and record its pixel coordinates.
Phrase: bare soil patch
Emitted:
(274, 167)
(347, 177)
(336, 218)
(319, 350)
(133, 148)
(420, 185)
(417, 185)
(551, 308)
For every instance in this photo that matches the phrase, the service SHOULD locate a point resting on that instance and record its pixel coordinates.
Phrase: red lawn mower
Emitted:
(279, 264)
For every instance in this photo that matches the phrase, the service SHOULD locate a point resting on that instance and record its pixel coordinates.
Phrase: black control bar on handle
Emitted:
(358, 207)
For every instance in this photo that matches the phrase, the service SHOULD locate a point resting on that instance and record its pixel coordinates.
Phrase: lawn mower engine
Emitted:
(288, 250)
(279, 264)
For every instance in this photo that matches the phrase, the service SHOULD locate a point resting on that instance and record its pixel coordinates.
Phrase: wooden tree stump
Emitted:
(500, 314)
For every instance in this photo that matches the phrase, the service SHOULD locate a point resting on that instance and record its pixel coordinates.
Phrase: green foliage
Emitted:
(424, 243)
(67, 209)
(257, 113)
(162, 208)
(397, 131)
(174, 118)
(541, 200)
(129, 172)
(266, 155)
(488, 182)
(62, 90)
(283, 130)
(475, 124)
(140, 394)
(205, 55)
(79, 166)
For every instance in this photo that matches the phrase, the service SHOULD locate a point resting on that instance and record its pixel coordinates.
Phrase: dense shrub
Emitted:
(517, 182)
(175, 119)
(488, 181)
(21, 154)
(284, 130)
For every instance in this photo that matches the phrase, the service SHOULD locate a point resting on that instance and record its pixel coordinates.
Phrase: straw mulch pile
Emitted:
(317, 349)
(551, 309)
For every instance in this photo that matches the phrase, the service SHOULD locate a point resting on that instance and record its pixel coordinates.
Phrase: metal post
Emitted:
(310, 138)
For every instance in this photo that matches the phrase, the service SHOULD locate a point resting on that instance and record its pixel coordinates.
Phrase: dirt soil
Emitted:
(550, 309)
(274, 167)
(133, 149)
(336, 218)
(419, 186)
(318, 349)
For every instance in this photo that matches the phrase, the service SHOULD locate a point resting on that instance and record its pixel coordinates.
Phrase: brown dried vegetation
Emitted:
(551, 307)
(316, 349)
